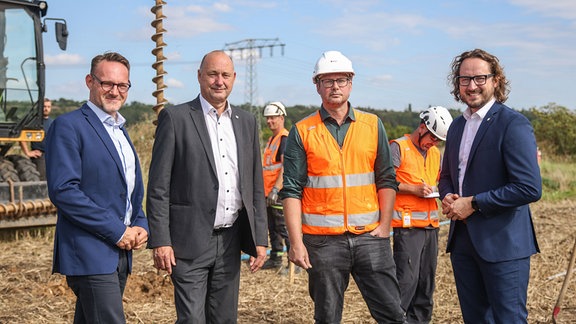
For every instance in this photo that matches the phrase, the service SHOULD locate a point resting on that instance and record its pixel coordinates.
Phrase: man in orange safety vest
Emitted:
(272, 159)
(415, 219)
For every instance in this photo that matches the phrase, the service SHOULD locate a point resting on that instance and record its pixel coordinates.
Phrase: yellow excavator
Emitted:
(24, 198)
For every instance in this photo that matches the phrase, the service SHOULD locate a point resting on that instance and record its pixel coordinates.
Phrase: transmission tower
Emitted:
(251, 50)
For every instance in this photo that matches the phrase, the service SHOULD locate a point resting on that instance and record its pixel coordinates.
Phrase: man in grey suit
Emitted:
(205, 198)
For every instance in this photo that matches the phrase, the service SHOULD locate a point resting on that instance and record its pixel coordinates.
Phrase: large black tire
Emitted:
(25, 168)
(7, 171)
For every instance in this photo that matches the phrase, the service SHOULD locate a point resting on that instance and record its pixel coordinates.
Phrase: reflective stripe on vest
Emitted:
(340, 193)
(270, 167)
(414, 169)
(352, 180)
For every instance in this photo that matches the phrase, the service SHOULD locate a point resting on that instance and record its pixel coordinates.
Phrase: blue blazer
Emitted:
(504, 175)
(86, 183)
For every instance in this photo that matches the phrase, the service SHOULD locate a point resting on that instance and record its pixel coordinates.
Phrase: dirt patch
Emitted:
(29, 293)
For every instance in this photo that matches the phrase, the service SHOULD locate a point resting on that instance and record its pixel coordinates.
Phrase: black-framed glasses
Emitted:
(329, 83)
(108, 85)
(478, 79)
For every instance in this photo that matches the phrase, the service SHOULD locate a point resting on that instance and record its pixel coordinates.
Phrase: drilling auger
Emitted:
(158, 52)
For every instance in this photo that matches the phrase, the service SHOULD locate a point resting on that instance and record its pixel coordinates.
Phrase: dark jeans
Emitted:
(99, 297)
(277, 231)
(368, 259)
(40, 163)
(416, 257)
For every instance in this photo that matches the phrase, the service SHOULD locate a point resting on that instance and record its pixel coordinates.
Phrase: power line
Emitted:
(250, 50)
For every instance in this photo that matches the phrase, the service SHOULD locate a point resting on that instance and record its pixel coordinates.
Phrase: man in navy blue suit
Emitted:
(489, 176)
(95, 181)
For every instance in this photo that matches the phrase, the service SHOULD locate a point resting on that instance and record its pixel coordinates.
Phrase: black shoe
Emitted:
(272, 264)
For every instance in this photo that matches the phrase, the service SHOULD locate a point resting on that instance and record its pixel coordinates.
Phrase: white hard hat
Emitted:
(437, 120)
(332, 62)
(275, 108)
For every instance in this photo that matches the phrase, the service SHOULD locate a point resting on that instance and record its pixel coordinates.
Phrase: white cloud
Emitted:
(382, 78)
(565, 9)
(187, 22)
(219, 6)
(174, 83)
(64, 59)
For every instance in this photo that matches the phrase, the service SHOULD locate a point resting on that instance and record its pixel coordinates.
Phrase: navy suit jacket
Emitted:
(183, 184)
(504, 176)
(86, 183)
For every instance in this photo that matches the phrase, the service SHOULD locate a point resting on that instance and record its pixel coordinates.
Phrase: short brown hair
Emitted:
(110, 57)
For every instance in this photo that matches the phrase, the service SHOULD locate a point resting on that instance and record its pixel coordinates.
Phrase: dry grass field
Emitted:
(29, 293)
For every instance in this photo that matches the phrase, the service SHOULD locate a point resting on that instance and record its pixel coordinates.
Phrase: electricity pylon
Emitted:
(251, 50)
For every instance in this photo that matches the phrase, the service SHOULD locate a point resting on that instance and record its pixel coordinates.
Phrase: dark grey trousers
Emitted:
(416, 258)
(99, 297)
(206, 288)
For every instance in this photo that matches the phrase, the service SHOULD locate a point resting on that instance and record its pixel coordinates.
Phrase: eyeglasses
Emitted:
(478, 79)
(108, 86)
(329, 83)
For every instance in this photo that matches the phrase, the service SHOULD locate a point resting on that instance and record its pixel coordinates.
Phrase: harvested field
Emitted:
(29, 293)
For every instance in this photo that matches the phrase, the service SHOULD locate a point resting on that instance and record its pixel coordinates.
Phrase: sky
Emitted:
(401, 50)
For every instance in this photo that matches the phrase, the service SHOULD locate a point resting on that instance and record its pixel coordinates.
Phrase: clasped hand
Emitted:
(134, 238)
(456, 207)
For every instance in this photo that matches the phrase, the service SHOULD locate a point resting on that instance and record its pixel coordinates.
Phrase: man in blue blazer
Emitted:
(95, 181)
(489, 176)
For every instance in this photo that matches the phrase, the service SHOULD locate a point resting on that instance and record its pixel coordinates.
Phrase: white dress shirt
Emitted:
(473, 122)
(225, 152)
(113, 127)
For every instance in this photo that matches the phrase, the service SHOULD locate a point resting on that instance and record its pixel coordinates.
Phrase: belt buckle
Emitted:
(222, 227)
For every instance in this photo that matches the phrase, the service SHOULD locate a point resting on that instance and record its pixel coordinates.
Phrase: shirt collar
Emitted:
(481, 112)
(105, 118)
(207, 107)
(325, 115)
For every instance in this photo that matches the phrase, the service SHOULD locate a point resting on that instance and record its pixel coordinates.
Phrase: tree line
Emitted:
(554, 125)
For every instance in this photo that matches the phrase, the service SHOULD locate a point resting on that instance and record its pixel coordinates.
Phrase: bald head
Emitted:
(216, 77)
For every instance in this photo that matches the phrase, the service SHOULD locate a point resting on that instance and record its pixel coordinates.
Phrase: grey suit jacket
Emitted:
(183, 185)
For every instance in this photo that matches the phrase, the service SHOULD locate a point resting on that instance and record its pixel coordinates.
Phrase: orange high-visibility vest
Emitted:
(270, 167)
(413, 170)
(340, 194)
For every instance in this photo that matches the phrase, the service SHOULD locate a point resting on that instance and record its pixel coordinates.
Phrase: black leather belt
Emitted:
(221, 228)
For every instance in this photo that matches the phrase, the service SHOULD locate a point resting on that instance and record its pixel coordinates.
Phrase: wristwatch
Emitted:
(475, 204)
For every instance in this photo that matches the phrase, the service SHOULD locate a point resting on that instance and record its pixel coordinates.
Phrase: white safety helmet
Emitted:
(332, 62)
(275, 108)
(437, 120)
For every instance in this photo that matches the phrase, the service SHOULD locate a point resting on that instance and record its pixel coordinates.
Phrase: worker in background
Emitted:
(338, 196)
(36, 150)
(415, 219)
(272, 160)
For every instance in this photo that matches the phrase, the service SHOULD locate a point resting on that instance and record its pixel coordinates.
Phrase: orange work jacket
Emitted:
(340, 194)
(270, 167)
(422, 212)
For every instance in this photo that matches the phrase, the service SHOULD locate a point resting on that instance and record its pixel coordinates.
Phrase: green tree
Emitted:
(555, 129)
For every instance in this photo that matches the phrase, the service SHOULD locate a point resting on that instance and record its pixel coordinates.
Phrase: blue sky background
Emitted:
(401, 50)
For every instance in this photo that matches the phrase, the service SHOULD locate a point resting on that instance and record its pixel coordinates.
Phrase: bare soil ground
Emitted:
(29, 293)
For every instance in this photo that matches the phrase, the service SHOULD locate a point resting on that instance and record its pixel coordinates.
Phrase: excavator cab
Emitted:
(23, 197)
